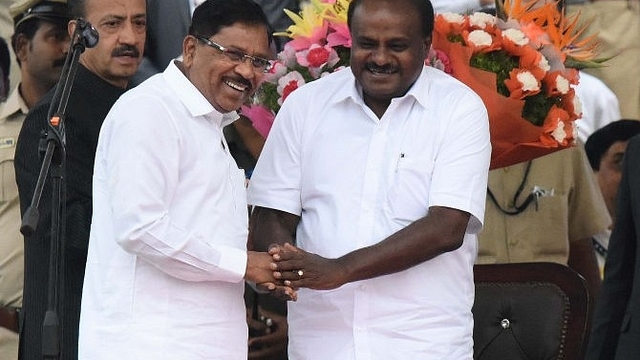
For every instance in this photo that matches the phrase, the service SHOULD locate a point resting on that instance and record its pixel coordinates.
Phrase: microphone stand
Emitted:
(84, 36)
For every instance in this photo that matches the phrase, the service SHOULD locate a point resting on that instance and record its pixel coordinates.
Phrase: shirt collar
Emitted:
(14, 104)
(193, 100)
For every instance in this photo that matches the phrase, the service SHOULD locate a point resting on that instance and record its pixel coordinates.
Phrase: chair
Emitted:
(530, 311)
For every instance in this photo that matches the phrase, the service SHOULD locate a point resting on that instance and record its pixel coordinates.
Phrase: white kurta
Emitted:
(167, 252)
(355, 179)
(600, 105)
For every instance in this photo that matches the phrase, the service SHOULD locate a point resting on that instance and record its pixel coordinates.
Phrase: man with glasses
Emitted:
(167, 251)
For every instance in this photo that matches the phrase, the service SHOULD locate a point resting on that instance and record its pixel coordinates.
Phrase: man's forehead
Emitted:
(115, 8)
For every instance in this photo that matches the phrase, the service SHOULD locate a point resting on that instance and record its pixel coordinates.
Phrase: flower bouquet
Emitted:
(523, 63)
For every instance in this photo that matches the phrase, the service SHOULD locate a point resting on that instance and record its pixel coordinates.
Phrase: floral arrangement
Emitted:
(523, 62)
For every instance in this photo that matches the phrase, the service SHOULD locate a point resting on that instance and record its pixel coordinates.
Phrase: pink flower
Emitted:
(340, 36)
(288, 84)
(316, 57)
(439, 60)
(261, 118)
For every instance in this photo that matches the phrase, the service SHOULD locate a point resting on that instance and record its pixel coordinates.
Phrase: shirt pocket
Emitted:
(9, 189)
(408, 196)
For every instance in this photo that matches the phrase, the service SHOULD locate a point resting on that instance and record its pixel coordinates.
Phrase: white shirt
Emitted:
(599, 105)
(167, 251)
(356, 179)
(456, 6)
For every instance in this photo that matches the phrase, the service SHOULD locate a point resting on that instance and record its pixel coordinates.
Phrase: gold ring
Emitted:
(300, 273)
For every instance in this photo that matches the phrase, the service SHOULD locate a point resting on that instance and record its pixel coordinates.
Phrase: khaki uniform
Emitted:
(575, 210)
(616, 24)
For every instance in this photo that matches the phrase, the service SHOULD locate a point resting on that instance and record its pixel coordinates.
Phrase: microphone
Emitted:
(88, 35)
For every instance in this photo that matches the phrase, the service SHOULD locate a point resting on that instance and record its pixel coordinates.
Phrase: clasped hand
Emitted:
(297, 268)
(259, 271)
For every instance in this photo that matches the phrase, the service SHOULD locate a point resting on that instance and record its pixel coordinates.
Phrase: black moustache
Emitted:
(126, 51)
(383, 69)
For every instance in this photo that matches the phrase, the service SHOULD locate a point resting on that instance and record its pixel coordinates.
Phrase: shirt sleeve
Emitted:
(462, 164)
(140, 146)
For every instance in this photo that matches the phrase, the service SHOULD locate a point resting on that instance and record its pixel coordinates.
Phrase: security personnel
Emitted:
(40, 42)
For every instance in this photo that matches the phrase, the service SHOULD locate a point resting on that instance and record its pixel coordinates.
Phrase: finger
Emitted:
(274, 249)
(292, 248)
(289, 265)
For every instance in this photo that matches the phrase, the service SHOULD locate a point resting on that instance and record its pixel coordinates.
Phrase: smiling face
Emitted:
(225, 83)
(388, 50)
(122, 26)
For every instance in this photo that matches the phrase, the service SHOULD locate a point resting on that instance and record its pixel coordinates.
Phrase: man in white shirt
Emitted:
(167, 253)
(378, 174)
(600, 105)
(461, 6)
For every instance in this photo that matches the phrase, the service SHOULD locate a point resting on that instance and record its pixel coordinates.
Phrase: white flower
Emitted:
(544, 63)
(528, 81)
(558, 133)
(577, 105)
(562, 84)
(288, 56)
(516, 36)
(481, 19)
(453, 17)
(480, 38)
(278, 70)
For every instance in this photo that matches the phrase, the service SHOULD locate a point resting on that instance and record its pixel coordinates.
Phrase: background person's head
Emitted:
(390, 40)
(40, 40)
(227, 76)
(122, 26)
(5, 66)
(605, 149)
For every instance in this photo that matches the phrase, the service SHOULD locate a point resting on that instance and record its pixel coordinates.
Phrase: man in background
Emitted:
(5, 67)
(605, 149)
(615, 330)
(102, 75)
(40, 42)
(6, 30)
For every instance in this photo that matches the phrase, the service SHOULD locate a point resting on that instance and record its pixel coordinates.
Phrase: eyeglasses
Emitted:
(239, 57)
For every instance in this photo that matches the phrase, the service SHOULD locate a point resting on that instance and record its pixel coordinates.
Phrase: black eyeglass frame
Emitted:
(238, 56)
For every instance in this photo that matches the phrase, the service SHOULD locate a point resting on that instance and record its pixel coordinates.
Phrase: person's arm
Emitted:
(268, 340)
(251, 138)
(582, 259)
(269, 226)
(441, 231)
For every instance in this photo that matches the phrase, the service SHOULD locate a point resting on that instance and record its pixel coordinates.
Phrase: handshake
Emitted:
(285, 268)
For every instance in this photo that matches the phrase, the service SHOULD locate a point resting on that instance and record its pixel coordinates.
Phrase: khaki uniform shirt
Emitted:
(12, 114)
(572, 209)
(616, 25)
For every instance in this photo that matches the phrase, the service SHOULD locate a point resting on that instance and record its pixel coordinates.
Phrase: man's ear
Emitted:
(188, 50)
(21, 47)
(71, 28)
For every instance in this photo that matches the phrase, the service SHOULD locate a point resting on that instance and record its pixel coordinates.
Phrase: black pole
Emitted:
(84, 36)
